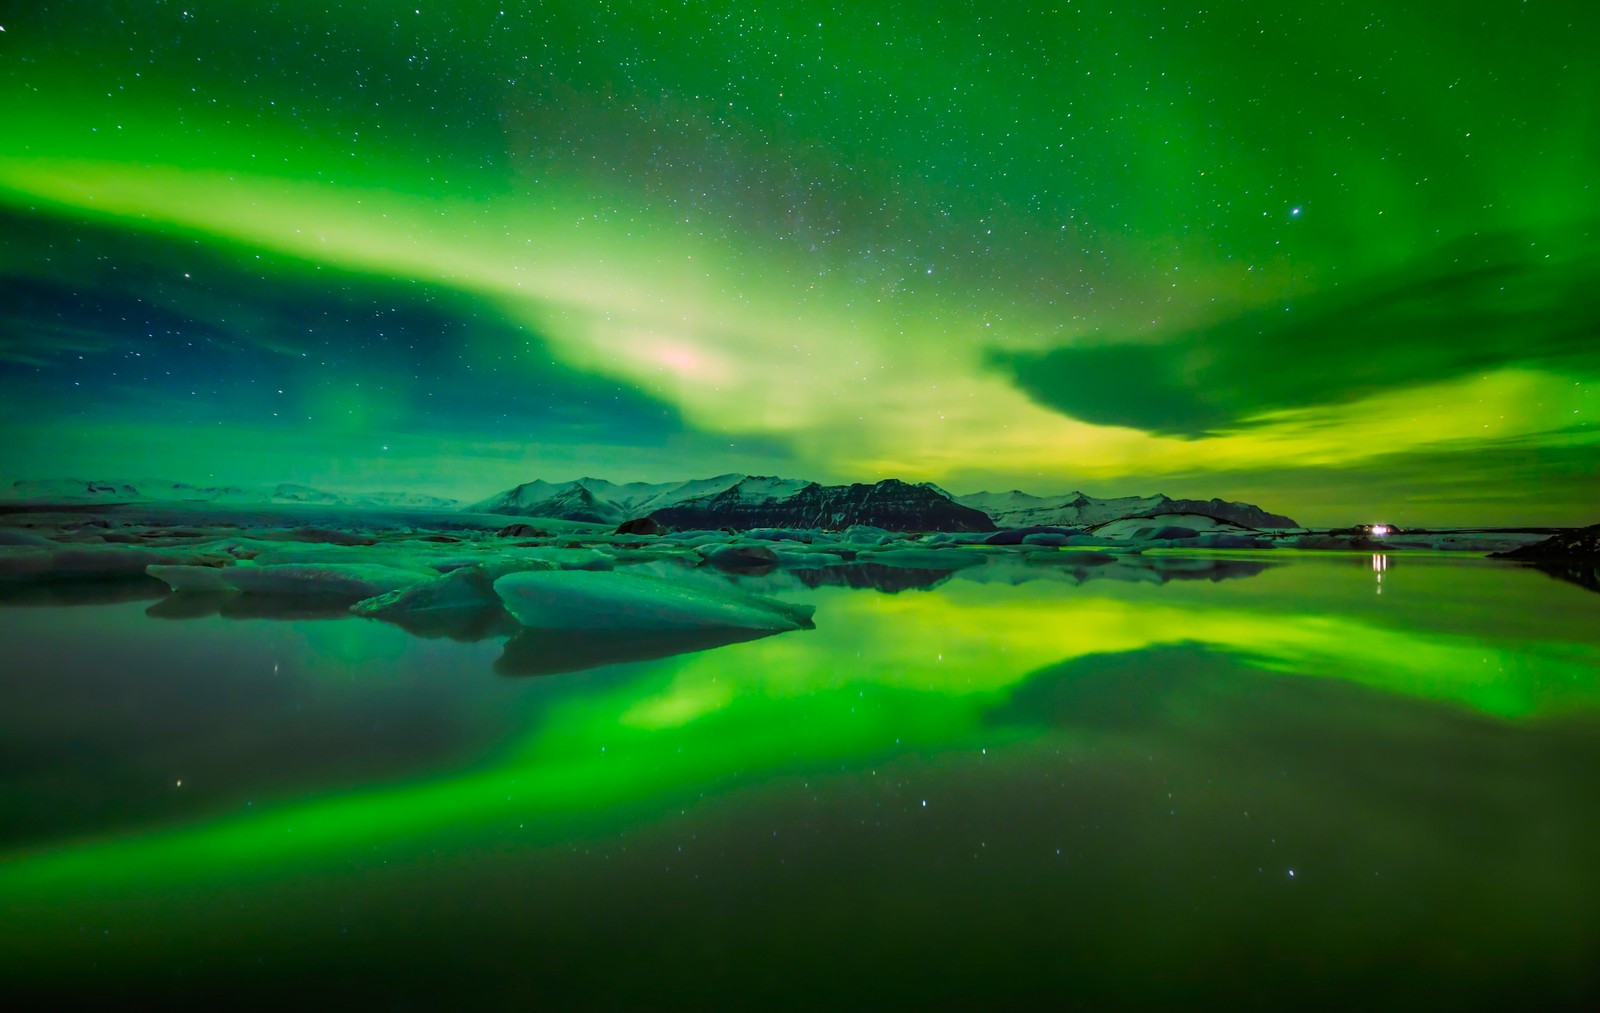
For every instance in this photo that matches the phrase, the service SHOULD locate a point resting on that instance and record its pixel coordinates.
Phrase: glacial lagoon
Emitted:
(1270, 780)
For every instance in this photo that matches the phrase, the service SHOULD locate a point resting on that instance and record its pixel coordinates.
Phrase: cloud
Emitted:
(118, 309)
(209, 357)
(1520, 301)
(1546, 479)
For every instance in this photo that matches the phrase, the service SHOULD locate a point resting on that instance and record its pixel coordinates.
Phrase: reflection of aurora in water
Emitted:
(882, 675)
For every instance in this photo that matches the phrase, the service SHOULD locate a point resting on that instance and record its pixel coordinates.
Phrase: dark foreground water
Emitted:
(1269, 787)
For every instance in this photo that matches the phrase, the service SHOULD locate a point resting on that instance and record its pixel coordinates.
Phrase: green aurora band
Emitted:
(1336, 262)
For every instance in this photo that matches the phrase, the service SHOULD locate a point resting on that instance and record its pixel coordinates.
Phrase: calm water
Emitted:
(1329, 781)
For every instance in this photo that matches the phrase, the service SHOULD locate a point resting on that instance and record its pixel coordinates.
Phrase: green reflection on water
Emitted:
(919, 672)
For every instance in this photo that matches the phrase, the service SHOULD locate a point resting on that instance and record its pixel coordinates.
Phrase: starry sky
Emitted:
(1337, 259)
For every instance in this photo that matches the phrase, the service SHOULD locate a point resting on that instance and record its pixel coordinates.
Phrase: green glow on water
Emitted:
(914, 673)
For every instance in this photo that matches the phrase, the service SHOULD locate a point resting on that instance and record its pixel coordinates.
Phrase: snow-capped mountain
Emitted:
(159, 490)
(1016, 509)
(776, 503)
(379, 500)
(402, 501)
(600, 501)
(588, 499)
(741, 501)
(732, 500)
(70, 490)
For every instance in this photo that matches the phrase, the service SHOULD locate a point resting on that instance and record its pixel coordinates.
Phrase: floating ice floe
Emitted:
(1165, 527)
(1227, 541)
(80, 562)
(1484, 541)
(739, 557)
(343, 580)
(468, 587)
(187, 578)
(269, 551)
(1047, 538)
(566, 559)
(635, 601)
(1016, 536)
(930, 559)
(638, 557)
(698, 537)
(326, 536)
(16, 536)
(781, 534)
(866, 534)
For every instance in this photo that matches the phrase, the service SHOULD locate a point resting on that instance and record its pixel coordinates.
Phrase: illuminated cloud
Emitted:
(1513, 301)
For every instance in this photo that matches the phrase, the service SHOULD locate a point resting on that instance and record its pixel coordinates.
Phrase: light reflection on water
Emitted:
(1047, 777)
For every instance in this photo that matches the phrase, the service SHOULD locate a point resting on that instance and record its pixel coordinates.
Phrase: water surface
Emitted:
(1303, 780)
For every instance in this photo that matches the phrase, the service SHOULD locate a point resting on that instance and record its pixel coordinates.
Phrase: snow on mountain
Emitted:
(71, 490)
(402, 500)
(587, 499)
(742, 501)
(761, 502)
(160, 490)
(1017, 509)
(288, 493)
(165, 491)
(600, 501)
(669, 493)
(722, 500)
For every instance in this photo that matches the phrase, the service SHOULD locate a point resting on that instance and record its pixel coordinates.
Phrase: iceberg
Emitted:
(187, 578)
(782, 534)
(931, 559)
(233, 605)
(739, 557)
(464, 588)
(1163, 527)
(609, 600)
(16, 536)
(326, 536)
(567, 559)
(80, 562)
(1046, 538)
(344, 580)
(866, 534)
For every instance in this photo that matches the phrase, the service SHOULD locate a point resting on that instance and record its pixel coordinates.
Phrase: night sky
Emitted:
(1339, 259)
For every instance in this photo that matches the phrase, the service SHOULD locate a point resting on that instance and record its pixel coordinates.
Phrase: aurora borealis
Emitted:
(1334, 260)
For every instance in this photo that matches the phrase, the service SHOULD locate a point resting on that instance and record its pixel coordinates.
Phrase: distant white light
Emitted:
(1294, 211)
(1379, 530)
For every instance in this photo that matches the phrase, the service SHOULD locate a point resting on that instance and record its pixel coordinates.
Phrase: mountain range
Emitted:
(1017, 509)
(157, 490)
(733, 500)
(745, 501)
